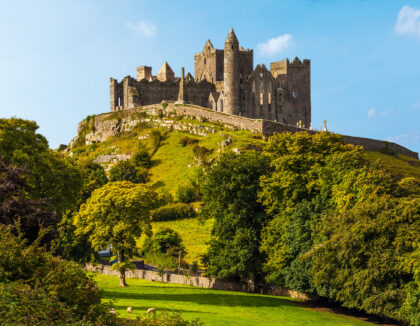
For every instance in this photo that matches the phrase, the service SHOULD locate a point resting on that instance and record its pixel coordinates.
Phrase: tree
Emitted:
(164, 248)
(74, 247)
(50, 176)
(116, 214)
(37, 288)
(230, 190)
(128, 171)
(293, 195)
(20, 211)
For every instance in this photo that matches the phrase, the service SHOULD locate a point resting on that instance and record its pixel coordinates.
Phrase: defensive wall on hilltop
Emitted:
(264, 127)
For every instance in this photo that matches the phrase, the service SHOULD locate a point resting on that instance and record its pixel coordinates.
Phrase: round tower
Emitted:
(231, 74)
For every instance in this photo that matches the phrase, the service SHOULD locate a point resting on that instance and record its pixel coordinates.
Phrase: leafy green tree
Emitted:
(116, 214)
(230, 190)
(77, 247)
(293, 195)
(164, 248)
(128, 171)
(343, 228)
(21, 212)
(50, 175)
(37, 288)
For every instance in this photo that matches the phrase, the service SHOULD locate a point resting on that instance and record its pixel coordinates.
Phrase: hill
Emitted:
(111, 137)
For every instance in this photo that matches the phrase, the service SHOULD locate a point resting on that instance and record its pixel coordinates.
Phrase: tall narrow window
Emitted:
(261, 100)
(205, 61)
(269, 101)
(119, 102)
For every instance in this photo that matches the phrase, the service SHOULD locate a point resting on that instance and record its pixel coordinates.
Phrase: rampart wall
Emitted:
(108, 126)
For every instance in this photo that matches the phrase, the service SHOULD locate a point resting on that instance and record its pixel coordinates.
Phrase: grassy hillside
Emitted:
(174, 165)
(214, 307)
(400, 165)
(194, 233)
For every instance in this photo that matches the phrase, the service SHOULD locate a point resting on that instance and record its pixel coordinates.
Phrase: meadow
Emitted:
(214, 307)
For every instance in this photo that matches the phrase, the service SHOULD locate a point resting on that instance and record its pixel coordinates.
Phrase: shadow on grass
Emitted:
(227, 300)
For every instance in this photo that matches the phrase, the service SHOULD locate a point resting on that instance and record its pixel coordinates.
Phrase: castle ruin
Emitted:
(225, 81)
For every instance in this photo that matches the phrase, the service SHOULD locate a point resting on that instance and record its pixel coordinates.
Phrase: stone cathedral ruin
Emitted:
(225, 81)
(227, 89)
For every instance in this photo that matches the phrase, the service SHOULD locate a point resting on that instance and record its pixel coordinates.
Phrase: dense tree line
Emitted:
(306, 212)
(312, 214)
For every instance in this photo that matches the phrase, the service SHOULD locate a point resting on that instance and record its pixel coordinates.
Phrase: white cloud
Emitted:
(371, 112)
(408, 21)
(275, 45)
(145, 28)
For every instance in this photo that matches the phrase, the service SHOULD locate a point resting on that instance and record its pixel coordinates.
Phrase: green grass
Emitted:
(214, 307)
(194, 235)
(399, 165)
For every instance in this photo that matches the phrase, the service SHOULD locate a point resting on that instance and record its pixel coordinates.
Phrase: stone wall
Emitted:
(204, 282)
(199, 281)
(110, 124)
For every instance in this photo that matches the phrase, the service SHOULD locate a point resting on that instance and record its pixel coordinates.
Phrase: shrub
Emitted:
(164, 105)
(184, 141)
(163, 319)
(38, 288)
(62, 147)
(127, 171)
(200, 153)
(142, 159)
(163, 248)
(156, 138)
(187, 193)
(173, 212)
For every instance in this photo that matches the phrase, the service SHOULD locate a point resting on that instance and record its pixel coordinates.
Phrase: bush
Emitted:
(187, 193)
(200, 153)
(156, 138)
(163, 319)
(142, 159)
(184, 141)
(163, 248)
(38, 288)
(172, 212)
(127, 171)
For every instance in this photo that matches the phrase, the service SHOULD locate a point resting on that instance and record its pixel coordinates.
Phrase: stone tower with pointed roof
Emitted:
(225, 81)
(231, 75)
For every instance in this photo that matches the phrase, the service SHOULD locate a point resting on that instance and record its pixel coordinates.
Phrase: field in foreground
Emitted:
(214, 307)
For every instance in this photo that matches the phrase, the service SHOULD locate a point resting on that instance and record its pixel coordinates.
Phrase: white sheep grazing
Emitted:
(130, 310)
(151, 311)
(112, 311)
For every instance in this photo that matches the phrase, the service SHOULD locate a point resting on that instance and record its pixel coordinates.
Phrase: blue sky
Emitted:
(57, 56)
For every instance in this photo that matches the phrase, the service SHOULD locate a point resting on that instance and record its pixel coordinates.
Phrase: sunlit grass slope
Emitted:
(194, 233)
(214, 307)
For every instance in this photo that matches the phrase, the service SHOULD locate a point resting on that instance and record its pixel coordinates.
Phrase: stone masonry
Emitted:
(225, 81)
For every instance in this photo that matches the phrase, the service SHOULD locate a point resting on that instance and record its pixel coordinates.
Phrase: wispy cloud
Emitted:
(145, 28)
(408, 21)
(410, 138)
(275, 45)
(371, 112)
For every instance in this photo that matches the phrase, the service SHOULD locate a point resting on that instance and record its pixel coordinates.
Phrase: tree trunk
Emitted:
(122, 279)
(120, 256)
